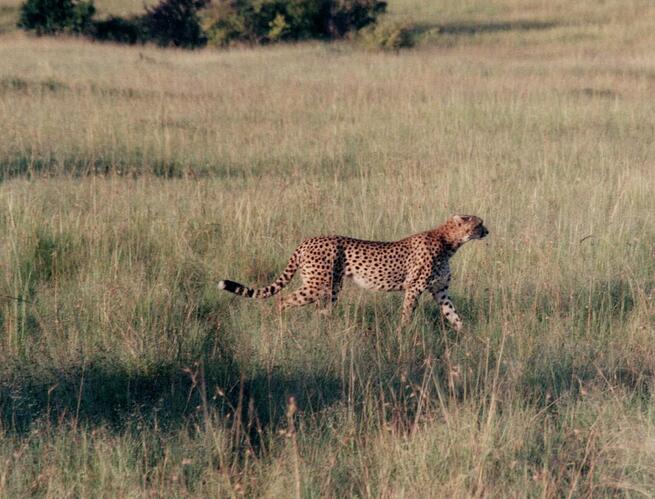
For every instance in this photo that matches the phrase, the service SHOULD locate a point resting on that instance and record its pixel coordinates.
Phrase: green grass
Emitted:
(134, 178)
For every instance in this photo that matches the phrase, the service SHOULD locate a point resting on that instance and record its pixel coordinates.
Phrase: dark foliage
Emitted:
(176, 22)
(121, 30)
(262, 21)
(343, 16)
(55, 16)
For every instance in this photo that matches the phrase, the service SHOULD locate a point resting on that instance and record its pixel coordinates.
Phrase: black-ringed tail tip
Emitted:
(235, 287)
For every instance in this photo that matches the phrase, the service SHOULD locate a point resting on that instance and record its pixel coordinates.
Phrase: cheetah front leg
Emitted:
(447, 308)
(414, 286)
(409, 304)
(329, 298)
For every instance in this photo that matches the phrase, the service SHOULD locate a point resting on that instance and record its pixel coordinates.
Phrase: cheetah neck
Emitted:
(448, 246)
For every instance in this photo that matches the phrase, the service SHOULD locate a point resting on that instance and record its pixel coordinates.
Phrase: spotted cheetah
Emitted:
(412, 265)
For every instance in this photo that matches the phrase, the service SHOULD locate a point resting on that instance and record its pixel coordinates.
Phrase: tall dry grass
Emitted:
(134, 178)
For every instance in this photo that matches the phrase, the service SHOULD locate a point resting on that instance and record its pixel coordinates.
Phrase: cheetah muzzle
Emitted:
(415, 264)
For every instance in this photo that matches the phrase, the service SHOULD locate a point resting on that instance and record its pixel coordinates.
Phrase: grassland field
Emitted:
(132, 179)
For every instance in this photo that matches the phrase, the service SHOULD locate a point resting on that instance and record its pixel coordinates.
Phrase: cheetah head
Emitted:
(462, 228)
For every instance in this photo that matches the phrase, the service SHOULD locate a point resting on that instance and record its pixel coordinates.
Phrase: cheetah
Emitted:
(413, 265)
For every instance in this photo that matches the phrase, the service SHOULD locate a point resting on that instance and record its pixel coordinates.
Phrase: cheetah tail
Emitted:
(267, 291)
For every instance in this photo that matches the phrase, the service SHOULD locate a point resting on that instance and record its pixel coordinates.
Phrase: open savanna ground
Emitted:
(134, 178)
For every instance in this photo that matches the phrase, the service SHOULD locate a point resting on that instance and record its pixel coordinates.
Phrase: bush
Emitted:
(388, 36)
(176, 22)
(53, 16)
(343, 16)
(263, 21)
(121, 30)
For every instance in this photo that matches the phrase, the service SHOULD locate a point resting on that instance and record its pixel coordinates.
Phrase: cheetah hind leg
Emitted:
(302, 296)
(324, 291)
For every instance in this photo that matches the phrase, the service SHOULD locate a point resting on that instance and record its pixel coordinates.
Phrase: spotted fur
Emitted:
(413, 265)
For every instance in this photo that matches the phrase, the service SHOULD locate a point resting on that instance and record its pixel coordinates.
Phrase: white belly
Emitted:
(361, 282)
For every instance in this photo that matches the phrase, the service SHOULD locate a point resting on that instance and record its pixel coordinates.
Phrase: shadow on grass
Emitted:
(594, 315)
(591, 92)
(37, 87)
(469, 29)
(610, 300)
(132, 166)
(170, 395)
(138, 163)
(390, 378)
(555, 375)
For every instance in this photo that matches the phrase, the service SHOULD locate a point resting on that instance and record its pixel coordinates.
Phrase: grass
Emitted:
(134, 178)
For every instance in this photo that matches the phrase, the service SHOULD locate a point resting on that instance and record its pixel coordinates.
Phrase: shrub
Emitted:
(263, 21)
(53, 16)
(176, 22)
(121, 30)
(388, 36)
(343, 16)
